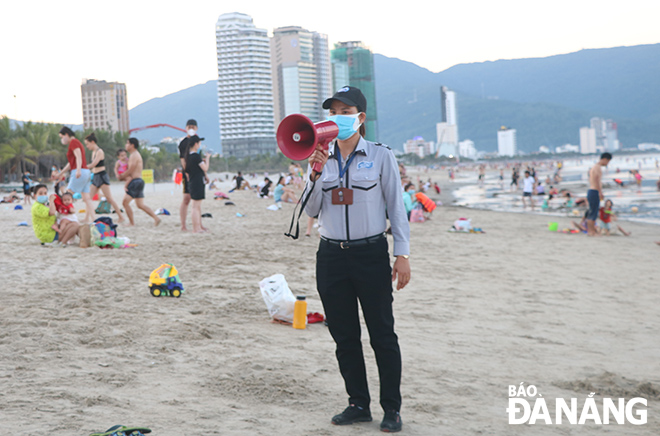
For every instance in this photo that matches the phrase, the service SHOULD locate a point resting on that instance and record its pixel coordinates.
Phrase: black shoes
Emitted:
(353, 414)
(391, 422)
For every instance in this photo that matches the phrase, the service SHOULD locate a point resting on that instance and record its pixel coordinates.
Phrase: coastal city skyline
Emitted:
(53, 43)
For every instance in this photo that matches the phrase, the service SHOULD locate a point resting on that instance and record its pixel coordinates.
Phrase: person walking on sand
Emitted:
(135, 189)
(528, 189)
(100, 178)
(80, 179)
(595, 192)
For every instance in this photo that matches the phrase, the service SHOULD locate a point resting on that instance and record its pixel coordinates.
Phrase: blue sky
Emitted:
(161, 47)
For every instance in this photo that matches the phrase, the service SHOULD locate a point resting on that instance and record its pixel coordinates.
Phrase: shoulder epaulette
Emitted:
(382, 145)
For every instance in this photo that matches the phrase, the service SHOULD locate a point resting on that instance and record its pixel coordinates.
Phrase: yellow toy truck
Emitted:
(164, 281)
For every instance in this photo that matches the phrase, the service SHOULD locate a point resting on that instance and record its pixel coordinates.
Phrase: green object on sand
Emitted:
(553, 227)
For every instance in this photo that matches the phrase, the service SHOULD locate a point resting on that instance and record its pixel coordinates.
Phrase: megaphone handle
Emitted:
(317, 167)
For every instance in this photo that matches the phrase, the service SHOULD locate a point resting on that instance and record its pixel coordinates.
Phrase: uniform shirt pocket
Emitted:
(364, 183)
(330, 181)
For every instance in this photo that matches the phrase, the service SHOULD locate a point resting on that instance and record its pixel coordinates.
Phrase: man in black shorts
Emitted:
(184, 147)
(135, 188)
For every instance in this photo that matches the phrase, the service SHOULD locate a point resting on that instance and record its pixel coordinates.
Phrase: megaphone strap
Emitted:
(302, 204)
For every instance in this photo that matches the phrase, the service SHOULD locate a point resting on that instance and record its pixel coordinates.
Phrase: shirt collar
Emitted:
(360, 149)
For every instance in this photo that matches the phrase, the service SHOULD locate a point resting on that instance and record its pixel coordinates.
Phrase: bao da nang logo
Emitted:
(527, 406)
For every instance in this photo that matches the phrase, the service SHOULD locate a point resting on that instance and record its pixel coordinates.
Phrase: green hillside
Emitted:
(546, 100)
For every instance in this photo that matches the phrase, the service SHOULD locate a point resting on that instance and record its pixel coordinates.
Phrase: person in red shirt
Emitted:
(80, 179)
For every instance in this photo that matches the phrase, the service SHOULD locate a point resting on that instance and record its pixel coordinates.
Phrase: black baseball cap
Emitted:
(195, 138)
(349, 95)
(191, 122)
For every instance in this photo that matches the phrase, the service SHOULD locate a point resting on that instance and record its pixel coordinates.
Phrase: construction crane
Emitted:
(137, 129)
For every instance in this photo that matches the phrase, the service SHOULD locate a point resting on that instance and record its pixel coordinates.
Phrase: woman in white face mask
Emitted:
(358, 188)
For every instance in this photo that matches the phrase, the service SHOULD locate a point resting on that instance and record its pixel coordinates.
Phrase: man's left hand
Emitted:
(401, 269)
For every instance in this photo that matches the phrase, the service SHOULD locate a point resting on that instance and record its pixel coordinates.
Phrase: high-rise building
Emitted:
(301, 72)
(506, 142)
(104, 105)
(356, 59)
(447, 129)
(448, 105)
(447, 139)
(587, 140)
(245, 87)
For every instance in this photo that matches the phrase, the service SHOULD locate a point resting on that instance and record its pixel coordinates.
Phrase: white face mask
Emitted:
(191, 132)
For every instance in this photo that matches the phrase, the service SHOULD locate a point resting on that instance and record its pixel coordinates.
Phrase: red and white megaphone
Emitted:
(297, 137)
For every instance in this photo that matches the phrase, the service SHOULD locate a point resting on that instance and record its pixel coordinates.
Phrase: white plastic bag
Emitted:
(463, 225)
(278, 297)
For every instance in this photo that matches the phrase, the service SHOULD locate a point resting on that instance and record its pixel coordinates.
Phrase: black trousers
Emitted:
(344, 277)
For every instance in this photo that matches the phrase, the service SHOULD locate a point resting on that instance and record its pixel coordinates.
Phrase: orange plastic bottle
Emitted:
(300, 313)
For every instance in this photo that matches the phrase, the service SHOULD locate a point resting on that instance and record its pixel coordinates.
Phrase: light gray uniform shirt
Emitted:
(373, 175)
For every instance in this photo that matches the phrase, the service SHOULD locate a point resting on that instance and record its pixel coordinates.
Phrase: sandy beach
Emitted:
(84, 346)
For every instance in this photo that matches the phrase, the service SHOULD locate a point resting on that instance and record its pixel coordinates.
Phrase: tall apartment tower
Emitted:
(301, 72)
(245, 87)
(448, 104)
(352, 60)
(447, 128)
(104, 105)
(506, 142)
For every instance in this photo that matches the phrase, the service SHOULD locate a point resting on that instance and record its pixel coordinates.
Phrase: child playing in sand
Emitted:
(121, 166)
(65, 210)
(606, 217)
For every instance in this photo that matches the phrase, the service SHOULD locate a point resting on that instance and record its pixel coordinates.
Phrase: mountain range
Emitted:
(546, 99)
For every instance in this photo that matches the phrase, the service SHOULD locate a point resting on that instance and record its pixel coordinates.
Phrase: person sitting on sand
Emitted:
(44, 216)
(240, 183)
(282, 194)
(606, 217)
(13, 196)
(264, 188)
(409, 199)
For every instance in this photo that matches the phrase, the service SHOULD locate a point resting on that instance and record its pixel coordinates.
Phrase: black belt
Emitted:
(355, 242)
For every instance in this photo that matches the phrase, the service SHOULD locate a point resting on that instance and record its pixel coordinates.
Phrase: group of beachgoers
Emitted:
(54, 219)
(55, 222)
